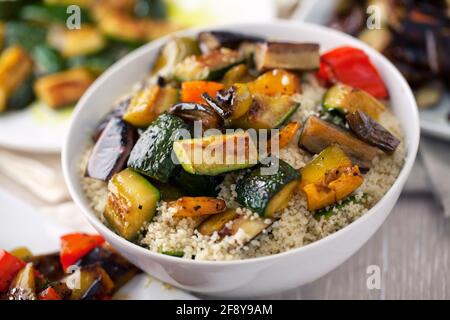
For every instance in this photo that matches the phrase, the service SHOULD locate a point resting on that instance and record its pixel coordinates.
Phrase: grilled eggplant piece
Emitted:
(287, 55)
(63, 88)
(119, 269)
(318, 134)
(413, 55)
(217, 222)
(238, 98)
(414, 75)
(117, 112)
(372, 132)
(191, 112)
(350, 21)
(252, 228)
(90, 283)
(110, 153)
(212, 40)
(49, 265)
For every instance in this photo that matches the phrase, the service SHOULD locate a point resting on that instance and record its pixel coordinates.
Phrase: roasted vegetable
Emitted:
(23, 253)
(174, 253)
(46, 60)
(191, 91)
(330, 158)
(216, 154)
(208, 66)
(117, 112)
(63, 88)
(175, 51)
(286, 55)
(195, 185)
(275, 83)
(237, 98)
(318, 134)
(118, 268)
(372, 132)
(346, 99)
(131, 203)
(112, 149)
(352, 66)
(378, 39)
(24, 284)
(237, 74)
(191, 112)
(337, 185)
(152, 154)
(25, 35)
(251, 227)
(49, 294)
(9, 9)
(149, 103)
(90, 283)
(48, 265)
(328, 212)
(9, 267)
(267, 193)
(212, 40)
(15, 68)
(2, 35)
(285, 134)
(76, 42)
(217, 222)
(74, 246)
(196, 206)
(267, 112)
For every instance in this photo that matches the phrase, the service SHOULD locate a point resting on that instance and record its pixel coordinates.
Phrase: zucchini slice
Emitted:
(214, 155)
(287, 55)
(208, 66)
(173, 52)
(195, 185)
(22, 96)
(266, 194)
(152, 154)
(267, 112)
(212, 40)
(15, 68)
(131, 203)
(25, 35)
(346, 99)
(63, 88)
(46, 60)
(70, 43)
(149, 103)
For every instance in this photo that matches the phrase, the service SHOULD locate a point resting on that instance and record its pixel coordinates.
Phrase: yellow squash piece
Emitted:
(15, 67)
(70, 43)
(197, 206)
(149, 103)
(330, 158)
(63, 88)
(276, 82)
(23, 286)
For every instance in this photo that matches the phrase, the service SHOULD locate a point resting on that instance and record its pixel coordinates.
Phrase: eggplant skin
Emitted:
(211, 40)
(117, 112)
(48, 265)
(372, 132)
(111, 152)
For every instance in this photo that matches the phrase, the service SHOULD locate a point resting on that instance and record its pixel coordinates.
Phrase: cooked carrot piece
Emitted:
(197, 206)
(191, 91)
(286, 134)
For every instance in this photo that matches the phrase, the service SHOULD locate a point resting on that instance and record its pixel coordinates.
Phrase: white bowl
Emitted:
(252, 277)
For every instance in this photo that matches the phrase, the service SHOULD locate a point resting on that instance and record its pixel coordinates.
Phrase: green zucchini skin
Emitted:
(195, 185)
(49, 14)
(25, 35)
(10, 9)
(255, 190)
(152, 154)
(23, 95)
(47, 60)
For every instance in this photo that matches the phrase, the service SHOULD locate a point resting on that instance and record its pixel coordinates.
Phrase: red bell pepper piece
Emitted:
(76, 245)
(9, 267)
(353, 67)
(49, 294)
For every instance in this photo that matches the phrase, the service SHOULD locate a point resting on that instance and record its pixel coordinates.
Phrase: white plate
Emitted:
(432, 121)
(37, 128)
(21, 226)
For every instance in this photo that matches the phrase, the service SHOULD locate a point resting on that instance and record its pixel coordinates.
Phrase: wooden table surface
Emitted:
(411, 249)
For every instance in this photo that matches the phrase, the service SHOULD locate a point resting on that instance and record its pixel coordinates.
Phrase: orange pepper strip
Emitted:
(197, 206)
(191, 91)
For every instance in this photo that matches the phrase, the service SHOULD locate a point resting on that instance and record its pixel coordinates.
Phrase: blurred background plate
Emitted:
(35, 129)
(21, 226)
(434, 121)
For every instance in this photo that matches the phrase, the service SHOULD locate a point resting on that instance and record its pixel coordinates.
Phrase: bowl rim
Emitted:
(411, 144)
